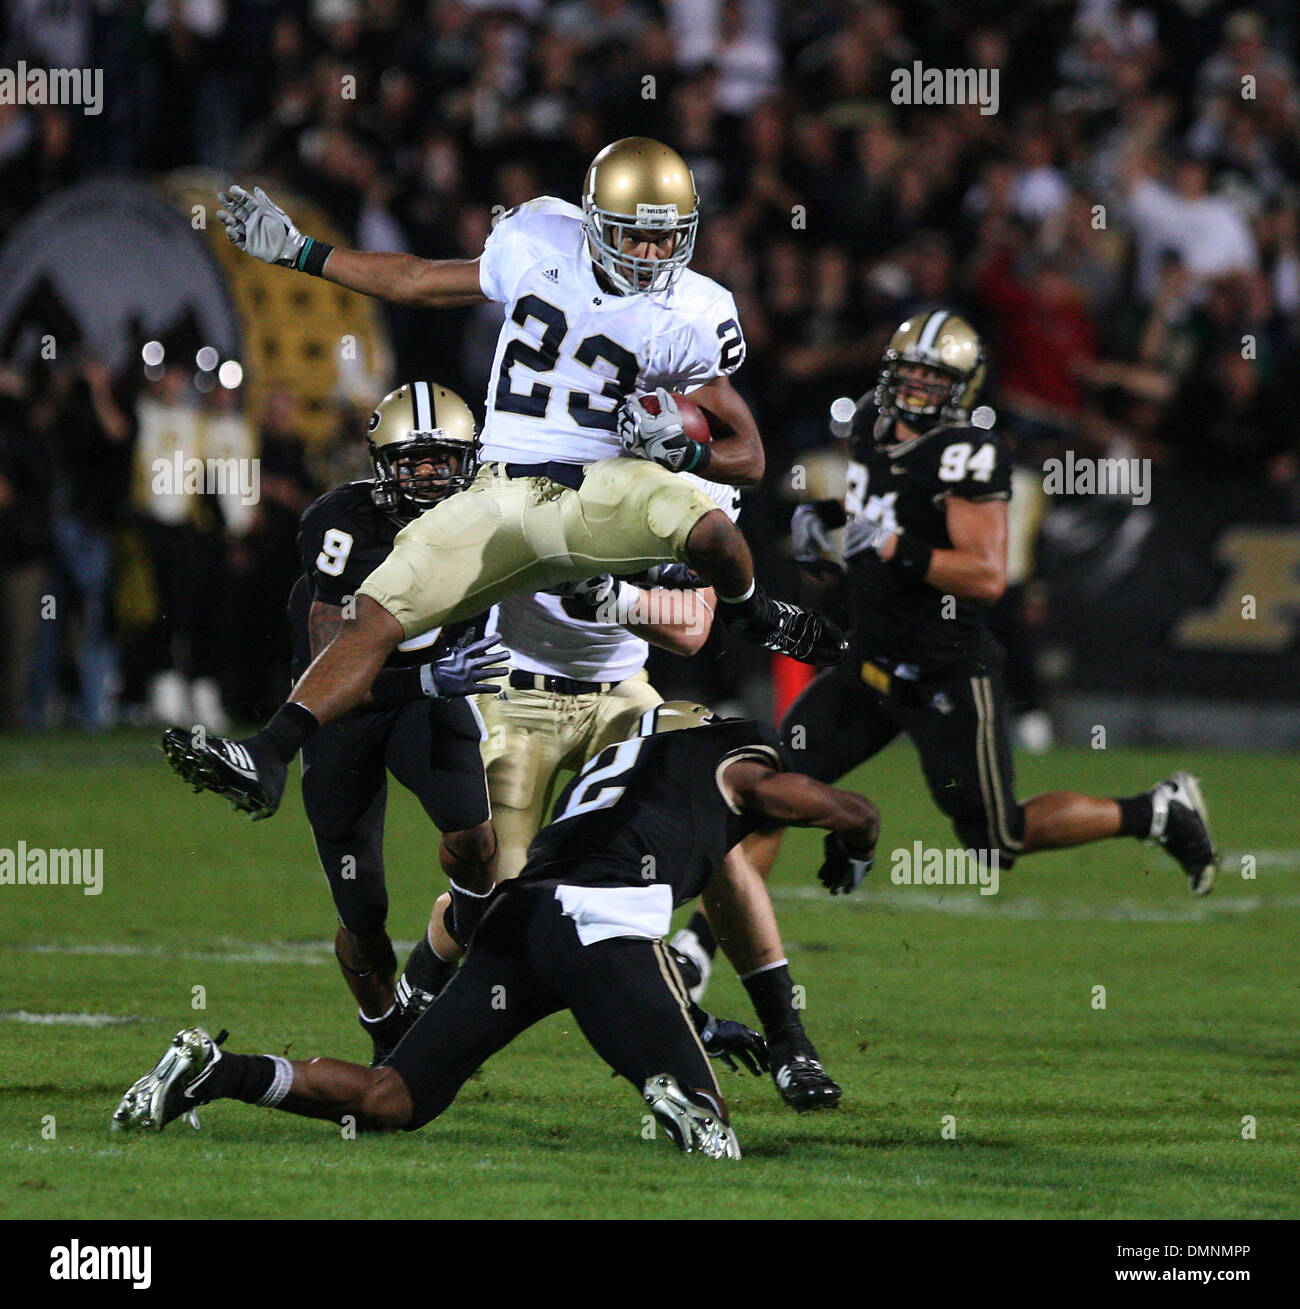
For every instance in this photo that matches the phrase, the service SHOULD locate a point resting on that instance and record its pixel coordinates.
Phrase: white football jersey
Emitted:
(542, 638)
(570, 351)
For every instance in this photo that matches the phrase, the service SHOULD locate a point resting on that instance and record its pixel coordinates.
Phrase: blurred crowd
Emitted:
(1123, 229)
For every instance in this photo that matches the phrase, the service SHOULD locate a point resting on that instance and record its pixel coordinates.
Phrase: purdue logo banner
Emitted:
(1196, 594)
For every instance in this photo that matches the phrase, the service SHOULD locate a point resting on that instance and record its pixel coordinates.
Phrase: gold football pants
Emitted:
(510, 534)
(534, 735)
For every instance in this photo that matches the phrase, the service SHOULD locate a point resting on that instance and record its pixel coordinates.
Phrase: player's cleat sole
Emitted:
(804, 1084)
(227, 768)
(691, 1125)
(1181, 823)
(158, 1097)
(787, 629)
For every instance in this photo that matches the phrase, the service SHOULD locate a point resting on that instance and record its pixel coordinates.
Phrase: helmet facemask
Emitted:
(400, 489)
(931, 397)
(632, 274)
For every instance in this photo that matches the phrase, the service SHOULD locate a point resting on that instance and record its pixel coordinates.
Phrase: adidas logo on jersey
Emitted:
(552, 275)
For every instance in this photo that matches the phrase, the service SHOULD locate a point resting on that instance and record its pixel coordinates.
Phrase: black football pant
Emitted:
(957, 721)
(525, 962)
(431, 747)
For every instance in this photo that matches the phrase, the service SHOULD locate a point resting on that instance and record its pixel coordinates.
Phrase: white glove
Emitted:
(810, 537)
(861, 535)
(259, 227)
(660, 437)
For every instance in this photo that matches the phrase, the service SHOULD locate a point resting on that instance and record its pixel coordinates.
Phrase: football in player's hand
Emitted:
(695, 418)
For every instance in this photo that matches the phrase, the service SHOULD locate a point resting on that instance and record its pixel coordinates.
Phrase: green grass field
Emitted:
(926, 1002)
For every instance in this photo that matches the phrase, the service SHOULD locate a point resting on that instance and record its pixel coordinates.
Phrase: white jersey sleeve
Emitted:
(709, 344)
(515, 244)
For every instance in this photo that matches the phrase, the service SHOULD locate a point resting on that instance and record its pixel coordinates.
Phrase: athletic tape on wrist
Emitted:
(312, 257)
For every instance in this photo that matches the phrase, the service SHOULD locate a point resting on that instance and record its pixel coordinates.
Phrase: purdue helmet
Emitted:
(421, 421)
(948, 344)
(642, 186)
(675, 716)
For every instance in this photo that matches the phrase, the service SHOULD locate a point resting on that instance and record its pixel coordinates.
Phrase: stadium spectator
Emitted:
(1131, 203)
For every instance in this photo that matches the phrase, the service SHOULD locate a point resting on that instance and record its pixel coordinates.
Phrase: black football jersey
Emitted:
(895, 617)
(650, 811)
(342, 538)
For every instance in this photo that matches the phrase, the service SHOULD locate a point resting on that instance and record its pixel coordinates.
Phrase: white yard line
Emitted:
(966, 902)
(67, 1020)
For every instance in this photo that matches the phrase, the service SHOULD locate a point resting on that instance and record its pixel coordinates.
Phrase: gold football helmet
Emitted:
(421, 423)
(640, 188)
(675, 716)
(948, 345)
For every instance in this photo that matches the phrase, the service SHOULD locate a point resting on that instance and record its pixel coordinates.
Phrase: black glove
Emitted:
(723, 1038)
(673, 577)
(844, 869)
(467, 670)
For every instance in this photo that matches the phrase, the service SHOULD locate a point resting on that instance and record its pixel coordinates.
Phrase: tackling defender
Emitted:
(925, 547)
(577, 683)
(641, 829)
(600, 304)
(421, 727)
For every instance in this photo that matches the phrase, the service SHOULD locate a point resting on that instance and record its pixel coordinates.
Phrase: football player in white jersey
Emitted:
(600, 306)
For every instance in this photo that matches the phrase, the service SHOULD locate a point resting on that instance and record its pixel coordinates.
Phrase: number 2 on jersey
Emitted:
(600, 788)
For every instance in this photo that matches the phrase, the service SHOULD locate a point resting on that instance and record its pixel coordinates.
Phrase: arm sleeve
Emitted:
(325, 543)
(712, 345)
(504, 257)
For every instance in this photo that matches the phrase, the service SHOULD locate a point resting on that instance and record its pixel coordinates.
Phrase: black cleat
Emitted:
(251, 778)
(800, 1078)
(1181, 823)
(787, 629)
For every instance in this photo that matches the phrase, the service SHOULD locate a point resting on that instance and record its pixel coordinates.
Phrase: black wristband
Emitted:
(700, 457)
(312, 257)
(912, 555)
(395, 686)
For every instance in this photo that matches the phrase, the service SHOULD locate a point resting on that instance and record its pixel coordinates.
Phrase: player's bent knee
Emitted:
(386, 1105)
(984, 837)
(474, 845)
